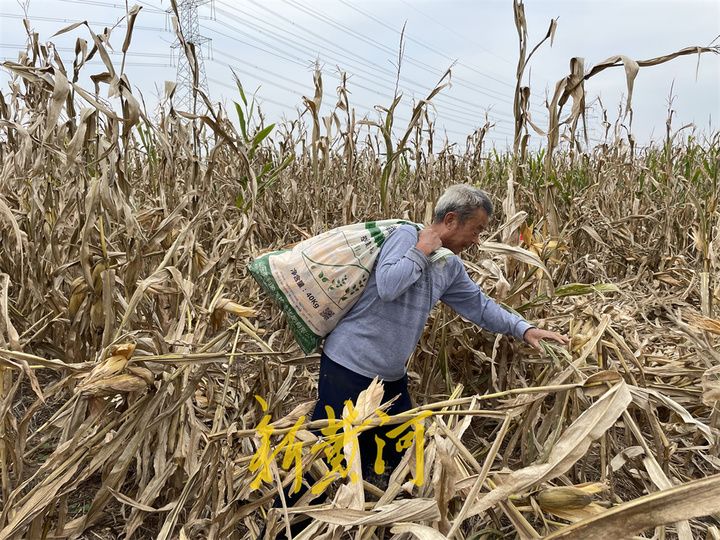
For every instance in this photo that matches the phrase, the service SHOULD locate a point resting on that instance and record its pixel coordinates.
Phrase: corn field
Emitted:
(133, 341)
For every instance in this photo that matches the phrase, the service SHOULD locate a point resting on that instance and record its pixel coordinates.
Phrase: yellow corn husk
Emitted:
(78, 286)
(123, 349)
(107, 368)
(74, 305)
(223, 306)
(578, 340)
(113, 375)
(563, 498)
(233, 307)
(201, 257)
(78, 292)
(117, 384)
(97, 314)
(169, 239)
(144, 373)
(116, 363)
(97, 278)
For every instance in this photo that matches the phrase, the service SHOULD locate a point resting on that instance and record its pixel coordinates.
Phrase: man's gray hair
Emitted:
(464, 200)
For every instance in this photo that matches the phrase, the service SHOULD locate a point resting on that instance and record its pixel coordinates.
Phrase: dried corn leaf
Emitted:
(520, 254)
(131, 16)
(570, 447)
(711, 386)
(704, 323)
(577, 514)
(7, 218)
(693, 499)
(293, 416)
(6, 325)
(626, 455)
(223, 306)
(369, 400)
(422, 532)
(444, 477)
(37, 502)
(395, 512)
(642, 395)
(61, 89)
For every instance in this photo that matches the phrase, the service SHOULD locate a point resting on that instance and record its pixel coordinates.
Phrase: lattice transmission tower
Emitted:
(185, 95)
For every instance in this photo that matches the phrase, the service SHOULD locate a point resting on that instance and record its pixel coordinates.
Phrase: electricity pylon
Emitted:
(188, 80)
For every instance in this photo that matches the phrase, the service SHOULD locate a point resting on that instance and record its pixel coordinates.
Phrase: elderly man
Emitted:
(378, 335)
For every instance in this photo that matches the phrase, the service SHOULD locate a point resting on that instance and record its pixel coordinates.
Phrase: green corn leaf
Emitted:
(241, 119)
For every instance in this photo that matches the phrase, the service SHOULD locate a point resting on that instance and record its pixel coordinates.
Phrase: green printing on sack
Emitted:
(260, 270)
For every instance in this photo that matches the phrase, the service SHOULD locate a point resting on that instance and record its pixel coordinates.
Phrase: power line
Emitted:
(477, 88)
(111, 53)
(449, 103)
(457, 119)
(100, 63)
(372, 72)
(106, 5)
(299, 95)
(454, 31)
(440, 99)
(254, 73)
(373, 43)
(71, 21)
(256, 45)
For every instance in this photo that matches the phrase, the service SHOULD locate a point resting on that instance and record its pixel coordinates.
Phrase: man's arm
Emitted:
(400, 264)
(466, 297)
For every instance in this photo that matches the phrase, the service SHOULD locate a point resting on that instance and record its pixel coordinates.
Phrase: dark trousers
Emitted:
(337, 385)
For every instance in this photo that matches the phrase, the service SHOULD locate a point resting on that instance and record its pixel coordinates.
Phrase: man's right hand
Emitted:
(428, 241)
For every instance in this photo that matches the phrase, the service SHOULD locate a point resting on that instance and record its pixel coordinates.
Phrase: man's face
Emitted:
(460, 236)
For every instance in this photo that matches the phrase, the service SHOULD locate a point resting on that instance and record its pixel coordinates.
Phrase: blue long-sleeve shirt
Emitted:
(381, 331)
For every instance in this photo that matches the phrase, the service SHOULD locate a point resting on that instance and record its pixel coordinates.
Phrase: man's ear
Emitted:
(449, 219)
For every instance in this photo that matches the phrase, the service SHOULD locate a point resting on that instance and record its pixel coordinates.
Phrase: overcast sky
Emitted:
(273, 46)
